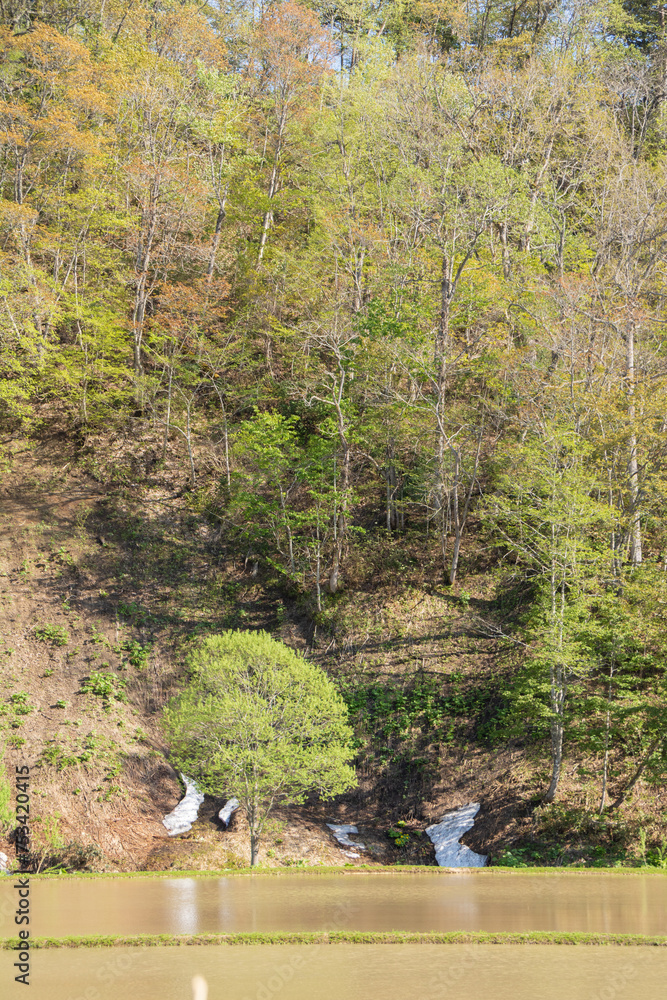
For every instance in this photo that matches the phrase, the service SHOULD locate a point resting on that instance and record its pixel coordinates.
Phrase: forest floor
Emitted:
(108, 570)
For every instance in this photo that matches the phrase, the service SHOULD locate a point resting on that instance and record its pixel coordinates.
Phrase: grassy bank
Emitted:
(316, 870)
(342, 937)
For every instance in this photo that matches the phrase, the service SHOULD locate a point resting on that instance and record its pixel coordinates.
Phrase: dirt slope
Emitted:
(107, 570)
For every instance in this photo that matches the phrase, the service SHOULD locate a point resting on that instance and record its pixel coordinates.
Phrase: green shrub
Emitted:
(657, 856)
(20, 703)
(134, 612)
(6, 811)
(55, 635)
(58, 756)
(51, 853)
(401, 836)
(104, 685)
(93, 749)
(136, 654)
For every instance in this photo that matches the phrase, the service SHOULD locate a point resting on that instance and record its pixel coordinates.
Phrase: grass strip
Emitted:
(342, 937)
(351, 870)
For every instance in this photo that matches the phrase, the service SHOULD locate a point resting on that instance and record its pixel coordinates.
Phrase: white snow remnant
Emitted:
(225, 814)
(180, 819)
(340, 832)
(447, 833)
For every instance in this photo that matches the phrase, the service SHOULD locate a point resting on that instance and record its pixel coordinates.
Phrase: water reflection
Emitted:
(181, 905)
(382, 902)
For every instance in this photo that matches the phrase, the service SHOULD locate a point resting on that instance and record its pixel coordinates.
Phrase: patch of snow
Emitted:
(4, 863)
(180, 819)
(340, 832)
(351, 854)
(225, 814)
(447, 833)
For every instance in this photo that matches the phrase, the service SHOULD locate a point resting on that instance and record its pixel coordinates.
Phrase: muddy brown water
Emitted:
(634, 904)
(345, 972)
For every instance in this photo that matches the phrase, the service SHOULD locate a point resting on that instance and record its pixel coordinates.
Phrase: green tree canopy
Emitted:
(259, 722)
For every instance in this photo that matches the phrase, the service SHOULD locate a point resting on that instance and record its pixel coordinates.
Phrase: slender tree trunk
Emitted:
(530, 223)
(21, 160)
(485, 21)
(391, 481)
(143, 260)
(653, 746)
(456, 520)
(662, 59)
(556, 734)
(228, 472)
(635, 535)
(253, 823)
(266, 225)
(358, 295)
(334, 576)
(441, 347)
(188, 439)
(84, 395)
(340, 526)
(561, 245)
(507, 266)
(225, 433)
(273, 187)
(288, 530)
(216, 240)
(318, 570)
(557, 686)
(605, 763)
(168, 419)
(460, 518)
(388, 481)
(138, 317)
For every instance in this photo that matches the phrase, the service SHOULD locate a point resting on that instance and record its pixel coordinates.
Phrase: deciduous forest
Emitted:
(382, 284)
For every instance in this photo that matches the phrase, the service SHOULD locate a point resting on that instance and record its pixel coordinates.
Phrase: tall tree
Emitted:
(545, 513)
(260, 723)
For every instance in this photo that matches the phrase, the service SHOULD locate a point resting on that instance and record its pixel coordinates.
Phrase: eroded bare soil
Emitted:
(103, 582)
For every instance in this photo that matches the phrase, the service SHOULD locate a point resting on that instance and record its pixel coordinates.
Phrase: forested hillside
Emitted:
(370, 297)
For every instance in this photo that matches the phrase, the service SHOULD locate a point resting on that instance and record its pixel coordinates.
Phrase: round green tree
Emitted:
(259, 722)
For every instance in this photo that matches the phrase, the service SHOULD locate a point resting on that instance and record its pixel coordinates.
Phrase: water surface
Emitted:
(635, 904)
(346, 972)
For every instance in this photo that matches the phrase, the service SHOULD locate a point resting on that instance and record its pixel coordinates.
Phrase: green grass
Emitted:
(343, 937)
(353, 870)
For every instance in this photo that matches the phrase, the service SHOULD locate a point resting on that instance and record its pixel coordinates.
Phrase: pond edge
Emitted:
(342, 870)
